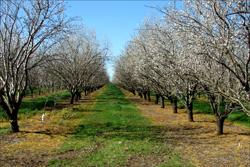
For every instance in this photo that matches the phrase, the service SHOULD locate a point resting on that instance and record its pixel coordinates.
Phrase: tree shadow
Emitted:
(49, 133)
(158, 134)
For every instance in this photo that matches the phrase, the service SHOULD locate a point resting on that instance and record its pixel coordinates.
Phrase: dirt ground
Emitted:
(195, 141)
(38, 142)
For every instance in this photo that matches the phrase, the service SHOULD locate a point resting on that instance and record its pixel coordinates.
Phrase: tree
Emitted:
(79, 57)
(216, 35)
(25, 26)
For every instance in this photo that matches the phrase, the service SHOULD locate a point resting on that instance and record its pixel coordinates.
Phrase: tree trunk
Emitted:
(13, 121)
(79, 95)
(14, 126)
(133, 91)
(76, 96)
(169, 97)
(140, 94)
(52, 87)
(222, 99)
(145, 95)
(220, 119)
(39, 91)
(220, 123)
(72, 98)
(149, 99)
(15, 107)
(162, 102)
(31, 91)
(54, 106)
(157, 98)
(174, 105)
(190, 112)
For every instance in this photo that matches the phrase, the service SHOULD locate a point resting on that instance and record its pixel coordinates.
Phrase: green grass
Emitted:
(116, 134)
(35, 91)
(57, 162)
(174, 161)
(4, 130)
(3, 115)
(240, 117)
(38, 103)
(202, 107)
(237, 116)
(31, 107)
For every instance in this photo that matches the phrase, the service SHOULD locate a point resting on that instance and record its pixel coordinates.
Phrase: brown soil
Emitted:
(197, 141)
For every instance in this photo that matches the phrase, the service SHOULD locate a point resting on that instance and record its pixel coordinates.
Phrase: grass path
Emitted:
(115, 133)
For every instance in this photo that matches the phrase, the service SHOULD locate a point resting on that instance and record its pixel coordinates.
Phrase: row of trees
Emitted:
(39, 45)
(204, 46)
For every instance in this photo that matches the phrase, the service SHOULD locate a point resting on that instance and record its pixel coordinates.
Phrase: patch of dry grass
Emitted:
(42, 138)
(198, 141)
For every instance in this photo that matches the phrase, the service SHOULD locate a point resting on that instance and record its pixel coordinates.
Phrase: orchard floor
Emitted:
(196, 142)
(38, 142)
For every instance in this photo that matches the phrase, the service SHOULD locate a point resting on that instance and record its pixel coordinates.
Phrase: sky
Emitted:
(115, 19)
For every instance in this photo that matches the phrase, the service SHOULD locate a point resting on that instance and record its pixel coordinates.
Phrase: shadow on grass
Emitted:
(109, 130)
(156, 134)
(47, 133)
(39, 103)
(212, 121)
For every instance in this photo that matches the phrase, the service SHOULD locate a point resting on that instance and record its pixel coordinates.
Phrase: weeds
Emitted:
(66, 114)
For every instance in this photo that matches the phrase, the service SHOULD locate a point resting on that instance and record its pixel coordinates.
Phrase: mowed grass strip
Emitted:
(115, 133)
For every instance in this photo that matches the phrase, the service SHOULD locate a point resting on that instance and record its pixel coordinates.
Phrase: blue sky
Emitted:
(115, 19)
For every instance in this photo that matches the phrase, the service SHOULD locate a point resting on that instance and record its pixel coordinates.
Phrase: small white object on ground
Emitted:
(43, 117)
